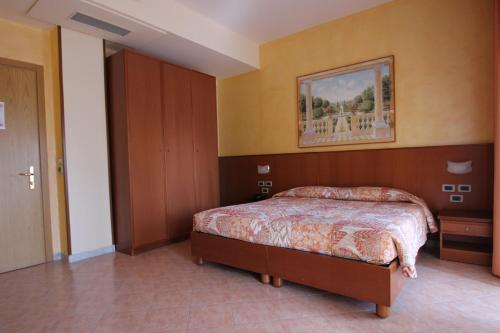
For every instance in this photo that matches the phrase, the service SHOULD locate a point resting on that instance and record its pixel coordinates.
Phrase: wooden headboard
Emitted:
(420, 171)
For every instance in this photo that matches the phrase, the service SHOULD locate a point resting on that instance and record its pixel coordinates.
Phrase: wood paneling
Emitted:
(179, 154)
(205, 140)
(420, 171)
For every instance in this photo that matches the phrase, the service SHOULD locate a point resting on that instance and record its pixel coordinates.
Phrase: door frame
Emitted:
(43, 152)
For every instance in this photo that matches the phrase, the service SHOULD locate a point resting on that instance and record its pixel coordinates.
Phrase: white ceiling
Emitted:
(16, 10)
(218, 37)
(265, 20)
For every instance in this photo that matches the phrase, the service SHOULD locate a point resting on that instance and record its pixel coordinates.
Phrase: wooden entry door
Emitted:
(22, 241)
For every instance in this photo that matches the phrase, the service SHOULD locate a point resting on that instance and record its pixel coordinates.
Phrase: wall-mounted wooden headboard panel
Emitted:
(420, 171)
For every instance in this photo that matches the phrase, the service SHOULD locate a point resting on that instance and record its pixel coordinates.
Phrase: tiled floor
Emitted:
(163, 291)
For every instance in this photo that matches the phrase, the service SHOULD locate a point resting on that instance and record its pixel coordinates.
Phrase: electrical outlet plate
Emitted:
(448, 187)
(264, 190)
(268, 183)
(464, 188)
(456, 198)
(261, 183)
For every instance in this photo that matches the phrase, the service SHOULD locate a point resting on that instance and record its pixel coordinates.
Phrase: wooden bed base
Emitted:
(352, 278)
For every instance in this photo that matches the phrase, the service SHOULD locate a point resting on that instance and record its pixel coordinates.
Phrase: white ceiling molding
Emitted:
(164, 29)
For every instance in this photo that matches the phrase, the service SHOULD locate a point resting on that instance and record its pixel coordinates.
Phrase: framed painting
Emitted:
(347, 105)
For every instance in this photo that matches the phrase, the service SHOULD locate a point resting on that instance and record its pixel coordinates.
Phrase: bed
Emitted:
(360, 242)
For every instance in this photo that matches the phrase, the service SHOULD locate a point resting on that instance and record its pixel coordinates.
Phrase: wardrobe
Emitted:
(162, 122)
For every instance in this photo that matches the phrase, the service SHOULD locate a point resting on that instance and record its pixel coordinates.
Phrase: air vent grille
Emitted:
(99, 24)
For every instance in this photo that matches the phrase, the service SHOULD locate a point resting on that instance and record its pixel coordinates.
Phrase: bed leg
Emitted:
(277, 282)
(383, 311)
(265, 278)
(199, 260)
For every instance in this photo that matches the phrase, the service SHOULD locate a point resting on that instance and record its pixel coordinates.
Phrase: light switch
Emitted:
(448, 187)
(456, 198)
(464, 188)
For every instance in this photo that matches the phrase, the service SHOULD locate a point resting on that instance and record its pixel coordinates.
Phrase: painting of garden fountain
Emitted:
(352, 106)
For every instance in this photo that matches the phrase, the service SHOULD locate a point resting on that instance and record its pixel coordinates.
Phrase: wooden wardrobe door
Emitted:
(203, 96)
(147, 177)
(179, 159)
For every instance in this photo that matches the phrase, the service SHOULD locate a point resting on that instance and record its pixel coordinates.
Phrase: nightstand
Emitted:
(466, 236)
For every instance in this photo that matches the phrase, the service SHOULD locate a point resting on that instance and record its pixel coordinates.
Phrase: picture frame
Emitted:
(352, 104)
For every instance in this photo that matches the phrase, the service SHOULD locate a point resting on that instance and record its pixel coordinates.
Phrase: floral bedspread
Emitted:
(372, 224)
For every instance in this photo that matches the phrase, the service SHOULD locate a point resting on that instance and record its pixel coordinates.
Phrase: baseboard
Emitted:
(59, 256)
(89, 254)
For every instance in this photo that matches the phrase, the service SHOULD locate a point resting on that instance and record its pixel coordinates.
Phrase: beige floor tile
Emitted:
(164, 291)
(76, 324)
(211, 316)
(267, 327)
(177, 298)
(122, 322)
(253, 313)
(315, 324)
(166, 320)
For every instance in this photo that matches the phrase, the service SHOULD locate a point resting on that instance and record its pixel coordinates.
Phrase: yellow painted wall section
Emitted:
(443, 77)
(39, 46)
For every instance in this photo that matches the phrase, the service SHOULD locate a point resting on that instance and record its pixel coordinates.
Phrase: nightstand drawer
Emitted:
(467, 229)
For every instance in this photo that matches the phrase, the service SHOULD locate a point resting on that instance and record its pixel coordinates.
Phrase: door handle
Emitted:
(31, 175)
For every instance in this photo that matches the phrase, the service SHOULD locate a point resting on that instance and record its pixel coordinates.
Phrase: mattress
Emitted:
(371, 224)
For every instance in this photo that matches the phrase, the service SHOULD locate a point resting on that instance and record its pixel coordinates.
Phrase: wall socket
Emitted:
(264, 190)
(268, 183)
(456, 198)
(464, 188)
(261, 183)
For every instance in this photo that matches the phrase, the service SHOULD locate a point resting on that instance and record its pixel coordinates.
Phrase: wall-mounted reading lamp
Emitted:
(459, 168)
(263, 169)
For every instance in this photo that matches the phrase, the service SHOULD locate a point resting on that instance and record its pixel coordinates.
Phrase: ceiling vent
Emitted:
(99, 24)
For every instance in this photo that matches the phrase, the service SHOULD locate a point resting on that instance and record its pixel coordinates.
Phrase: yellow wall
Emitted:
(443, 76)
(38, 46)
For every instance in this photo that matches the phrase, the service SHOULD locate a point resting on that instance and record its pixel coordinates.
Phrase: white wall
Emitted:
(85, 141)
